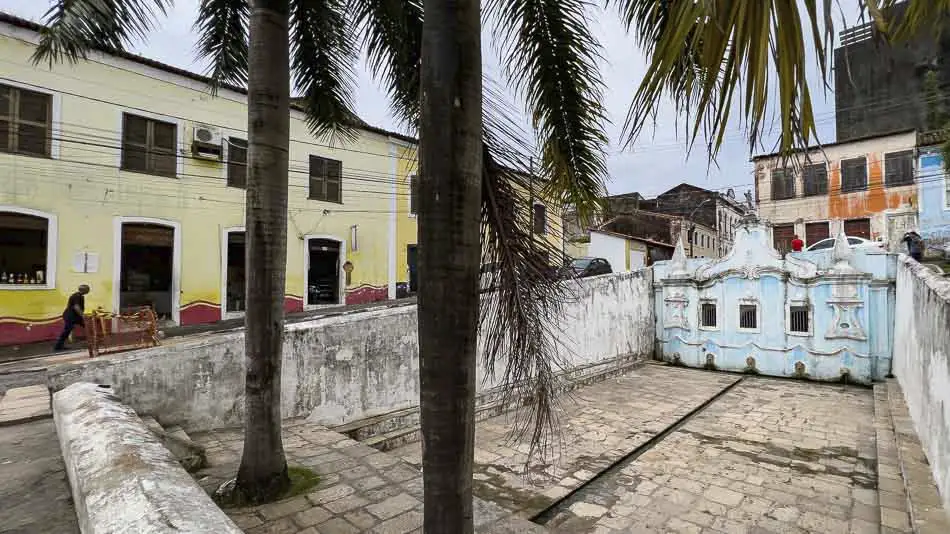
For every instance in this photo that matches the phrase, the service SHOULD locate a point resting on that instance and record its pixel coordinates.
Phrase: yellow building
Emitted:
(127, 175)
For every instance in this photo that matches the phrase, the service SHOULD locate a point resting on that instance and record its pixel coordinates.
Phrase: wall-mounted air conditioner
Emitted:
(206, 142)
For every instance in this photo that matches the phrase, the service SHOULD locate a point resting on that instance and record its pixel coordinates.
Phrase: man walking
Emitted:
(72, 315)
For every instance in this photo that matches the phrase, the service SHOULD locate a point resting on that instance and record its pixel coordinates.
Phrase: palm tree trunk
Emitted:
(449, 252)
(263, 472)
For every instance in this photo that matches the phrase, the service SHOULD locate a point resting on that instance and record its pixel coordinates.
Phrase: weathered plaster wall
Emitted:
(123, 479)
(934, 211)
(922, 362)
(344, 368)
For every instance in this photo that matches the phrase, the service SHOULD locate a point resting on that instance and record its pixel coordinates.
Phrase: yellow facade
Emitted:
(90, 205)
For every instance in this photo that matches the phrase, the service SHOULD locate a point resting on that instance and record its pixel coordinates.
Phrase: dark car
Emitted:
(584, 267)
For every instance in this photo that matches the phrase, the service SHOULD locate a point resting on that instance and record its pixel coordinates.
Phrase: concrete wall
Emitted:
(610, 247)
(345, 368)
(932, 199)
(122, 478)
(922, 362)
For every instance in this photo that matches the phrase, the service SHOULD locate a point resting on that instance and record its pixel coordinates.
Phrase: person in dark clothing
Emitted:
(915, 245)
(72, 315)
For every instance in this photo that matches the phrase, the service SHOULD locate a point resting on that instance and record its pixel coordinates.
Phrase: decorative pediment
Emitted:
(753, 255)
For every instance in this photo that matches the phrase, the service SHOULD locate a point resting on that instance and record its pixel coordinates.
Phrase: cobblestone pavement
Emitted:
(34, 490)
(599, 424)
(769, 456)
(360, 489)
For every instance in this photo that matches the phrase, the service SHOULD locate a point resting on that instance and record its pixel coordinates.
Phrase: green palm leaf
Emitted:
(323, 51)
(74, 27)
(222, 27)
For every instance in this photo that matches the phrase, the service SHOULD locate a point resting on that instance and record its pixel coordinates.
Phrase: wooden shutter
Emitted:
(815, 232)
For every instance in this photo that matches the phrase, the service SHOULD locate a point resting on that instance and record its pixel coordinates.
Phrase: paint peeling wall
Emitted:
(849, 312)
(886, 207)
(345, 368)
(934, 210)
(922, 362)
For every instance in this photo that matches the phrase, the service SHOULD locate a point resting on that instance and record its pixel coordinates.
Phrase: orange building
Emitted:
(867, 185)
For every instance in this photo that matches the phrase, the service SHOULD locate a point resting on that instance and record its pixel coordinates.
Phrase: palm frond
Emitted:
(391, 31)
(702, 52)
(222, 27)
(323, 51)
(551, 56)
(74, 27)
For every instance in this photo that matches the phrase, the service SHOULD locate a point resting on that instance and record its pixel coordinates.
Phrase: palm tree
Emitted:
(473, 171)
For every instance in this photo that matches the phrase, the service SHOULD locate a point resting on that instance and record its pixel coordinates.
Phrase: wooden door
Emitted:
(815, 232)
(858, 228)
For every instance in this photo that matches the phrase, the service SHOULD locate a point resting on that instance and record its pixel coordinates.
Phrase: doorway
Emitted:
(147, 273)
(235, 273)
(324, 268)
(412, 259)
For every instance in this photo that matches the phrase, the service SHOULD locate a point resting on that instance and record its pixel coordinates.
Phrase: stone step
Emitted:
(24, 404)
(394, 429)
(191, 455)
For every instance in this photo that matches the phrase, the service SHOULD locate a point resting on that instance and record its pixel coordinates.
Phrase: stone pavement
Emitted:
(25, 404)
(598, 425)
(360, 489)
(34, 490)
(768, 456)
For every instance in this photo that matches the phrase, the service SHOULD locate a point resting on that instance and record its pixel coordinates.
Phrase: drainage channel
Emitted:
(546, 515)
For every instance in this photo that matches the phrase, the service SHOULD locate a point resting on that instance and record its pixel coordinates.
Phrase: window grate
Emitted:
(708, 313)
(747, 316)
(798, 319)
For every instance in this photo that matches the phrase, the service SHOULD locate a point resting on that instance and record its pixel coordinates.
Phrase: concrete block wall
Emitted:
(345, 368)
(922, 361)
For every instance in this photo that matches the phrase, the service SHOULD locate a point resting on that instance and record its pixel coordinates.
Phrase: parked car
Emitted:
(855, 242)
(584, 267)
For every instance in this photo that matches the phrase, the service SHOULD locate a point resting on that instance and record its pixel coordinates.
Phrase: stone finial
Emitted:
(678, 263)
(842, 253)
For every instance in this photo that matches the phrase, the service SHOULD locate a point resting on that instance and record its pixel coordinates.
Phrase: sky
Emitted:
(657, 161)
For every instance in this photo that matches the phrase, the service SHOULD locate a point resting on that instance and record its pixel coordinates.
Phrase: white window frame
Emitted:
(52, 242)
(180, 126)
(55, 126)
(117, 223)
(758, 315)
(719, 317)
(788, 317)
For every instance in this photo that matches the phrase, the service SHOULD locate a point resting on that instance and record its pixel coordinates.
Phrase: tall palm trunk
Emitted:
(263, 472)
(449, 249)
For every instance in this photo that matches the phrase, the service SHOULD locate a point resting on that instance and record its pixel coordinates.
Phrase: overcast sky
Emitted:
(657, 162)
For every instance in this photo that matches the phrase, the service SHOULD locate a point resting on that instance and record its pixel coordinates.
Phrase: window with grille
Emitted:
(540, 219)
(854, 174)
(783, 184)
(413, 194)
(237, 162)
(707, 314)
(899, 168)
(798, 319)
(325, 179)
(148, 145)
(815, 178)
(748, 317)
(24, 121)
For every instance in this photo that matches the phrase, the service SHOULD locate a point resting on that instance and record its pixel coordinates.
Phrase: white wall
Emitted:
(922, 362)
(609, 247)
(341, 369)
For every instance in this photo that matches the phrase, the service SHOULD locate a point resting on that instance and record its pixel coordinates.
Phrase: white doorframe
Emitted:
(306, 270)
(117, 223)
(225, 314)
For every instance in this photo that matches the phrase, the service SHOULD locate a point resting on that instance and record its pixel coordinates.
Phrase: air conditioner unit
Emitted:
(206, 142)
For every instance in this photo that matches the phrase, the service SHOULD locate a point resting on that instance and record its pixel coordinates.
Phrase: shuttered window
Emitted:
(148, 145)
(854, 174)
(815, 179)
(237, 162)
(24, 121)
(783, 184)
(325, 179)
(899, 168)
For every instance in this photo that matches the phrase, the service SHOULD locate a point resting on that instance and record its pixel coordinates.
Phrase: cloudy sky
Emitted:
(658, 159)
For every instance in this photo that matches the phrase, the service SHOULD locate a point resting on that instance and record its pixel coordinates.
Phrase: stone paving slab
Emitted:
(34, 488)
(25, 404)
(769, 456)
(360, 490)
(598, 425)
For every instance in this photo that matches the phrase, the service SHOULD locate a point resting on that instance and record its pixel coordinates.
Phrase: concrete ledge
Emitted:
(122, 478)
